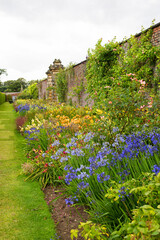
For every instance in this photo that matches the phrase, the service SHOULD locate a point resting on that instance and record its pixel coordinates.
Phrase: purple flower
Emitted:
(83, 185)
(71, 200)
(77, 152)
(156, 169)
(102, 177)
(56, 143)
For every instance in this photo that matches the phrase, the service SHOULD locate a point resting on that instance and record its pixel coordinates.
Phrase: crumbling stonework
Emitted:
(51, 73)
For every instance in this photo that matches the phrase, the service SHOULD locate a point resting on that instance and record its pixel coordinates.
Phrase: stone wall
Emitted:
(14, 95)
(76, 85)
(42, 89)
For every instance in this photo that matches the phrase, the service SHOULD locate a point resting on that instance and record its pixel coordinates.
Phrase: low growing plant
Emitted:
(89, 231)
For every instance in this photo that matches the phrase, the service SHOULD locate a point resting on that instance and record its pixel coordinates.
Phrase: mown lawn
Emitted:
(24, 213)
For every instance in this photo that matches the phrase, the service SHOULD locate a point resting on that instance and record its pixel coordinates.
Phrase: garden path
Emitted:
(24, 214)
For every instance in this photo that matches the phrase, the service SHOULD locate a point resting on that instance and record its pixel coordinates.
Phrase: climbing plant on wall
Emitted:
(109, 65)
(62, 82)
(123, 80)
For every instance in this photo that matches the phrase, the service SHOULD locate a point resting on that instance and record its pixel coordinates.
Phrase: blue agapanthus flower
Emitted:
(156, 169)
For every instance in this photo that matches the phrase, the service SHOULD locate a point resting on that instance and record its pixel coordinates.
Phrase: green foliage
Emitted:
(2, 98)
(62, 82)
(77, 91)
(145, 218)
(31, 92)
(14, 85)
(89, 230)
(41, 166)
(9, 98)
(61, 85)
(144, 225)
(108, 65)
(100, 66)
(122, 81)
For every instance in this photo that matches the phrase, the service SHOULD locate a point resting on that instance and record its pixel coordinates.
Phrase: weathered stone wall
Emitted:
(42, 92)
(76, 85)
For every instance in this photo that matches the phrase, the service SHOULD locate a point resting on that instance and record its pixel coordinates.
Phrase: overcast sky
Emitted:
(35, 32)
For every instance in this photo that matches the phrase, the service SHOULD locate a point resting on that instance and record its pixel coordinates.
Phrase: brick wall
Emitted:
(156, 34)
(80, 69)
(77, 77)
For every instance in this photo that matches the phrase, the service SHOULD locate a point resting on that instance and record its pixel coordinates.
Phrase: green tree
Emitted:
(3, 71)
(31, 92)
(15, 85)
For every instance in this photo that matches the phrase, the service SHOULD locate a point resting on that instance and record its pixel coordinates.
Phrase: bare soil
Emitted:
(65, 218)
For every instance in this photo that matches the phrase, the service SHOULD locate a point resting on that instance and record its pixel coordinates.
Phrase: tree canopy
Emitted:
(13, 85)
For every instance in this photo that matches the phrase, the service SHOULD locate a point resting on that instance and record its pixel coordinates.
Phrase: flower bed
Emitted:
(114, 174)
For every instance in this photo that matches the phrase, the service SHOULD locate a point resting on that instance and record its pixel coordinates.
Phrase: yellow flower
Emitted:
(99, 111)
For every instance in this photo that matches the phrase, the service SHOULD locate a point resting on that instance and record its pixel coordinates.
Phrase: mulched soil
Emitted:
(65, 218)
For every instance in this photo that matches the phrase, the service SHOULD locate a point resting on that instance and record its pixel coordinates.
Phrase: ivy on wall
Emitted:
(109, 65)
(62, 82)
(78, 90)
(123, 81)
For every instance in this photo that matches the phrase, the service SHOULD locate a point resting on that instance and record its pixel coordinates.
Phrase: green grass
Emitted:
(24, 212)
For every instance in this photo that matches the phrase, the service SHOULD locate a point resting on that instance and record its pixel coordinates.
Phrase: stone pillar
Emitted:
(51, 83)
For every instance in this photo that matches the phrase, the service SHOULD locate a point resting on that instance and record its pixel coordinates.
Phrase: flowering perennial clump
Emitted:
(156, 169)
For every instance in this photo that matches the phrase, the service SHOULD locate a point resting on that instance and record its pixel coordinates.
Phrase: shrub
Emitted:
(31, 92)
(2, 98)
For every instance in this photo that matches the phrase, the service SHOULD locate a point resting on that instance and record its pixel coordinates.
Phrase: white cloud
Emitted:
(35, 32)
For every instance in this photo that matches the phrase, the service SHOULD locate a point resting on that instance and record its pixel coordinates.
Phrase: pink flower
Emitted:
(110, 102)
(129, 74)
(142, 82)
(142, 106)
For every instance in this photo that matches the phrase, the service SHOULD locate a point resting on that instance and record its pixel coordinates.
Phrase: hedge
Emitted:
(2, 98)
